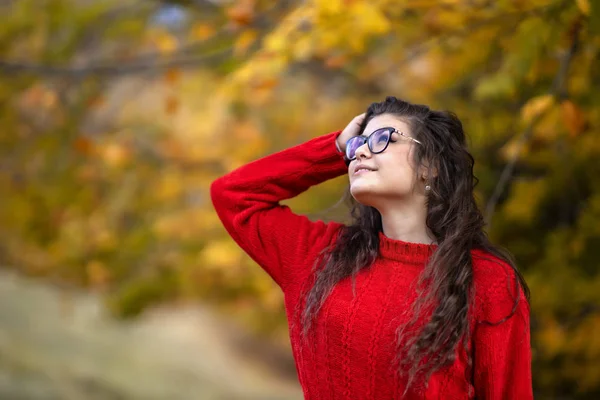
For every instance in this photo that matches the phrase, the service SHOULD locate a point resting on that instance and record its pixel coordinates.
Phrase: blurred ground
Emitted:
(57, 345)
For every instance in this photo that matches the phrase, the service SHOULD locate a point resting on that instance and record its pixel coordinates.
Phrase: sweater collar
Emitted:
(406, 252)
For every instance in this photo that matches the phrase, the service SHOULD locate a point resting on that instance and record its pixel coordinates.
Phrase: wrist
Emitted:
(338, 146)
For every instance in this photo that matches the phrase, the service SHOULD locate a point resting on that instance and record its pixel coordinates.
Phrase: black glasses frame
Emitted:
(367, 139)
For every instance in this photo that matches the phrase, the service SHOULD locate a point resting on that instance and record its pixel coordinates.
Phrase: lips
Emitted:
(362, 169)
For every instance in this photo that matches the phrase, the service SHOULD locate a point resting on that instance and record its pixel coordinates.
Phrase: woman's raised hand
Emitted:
(352, 129)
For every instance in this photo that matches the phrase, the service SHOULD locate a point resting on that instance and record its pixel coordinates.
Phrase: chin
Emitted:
(362, 195)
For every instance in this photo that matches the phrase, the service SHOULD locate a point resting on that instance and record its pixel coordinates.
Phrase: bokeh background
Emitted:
(117, 280)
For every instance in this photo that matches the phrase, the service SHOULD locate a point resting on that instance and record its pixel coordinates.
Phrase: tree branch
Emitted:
(111, 69)
(559, 91)
(149, 62)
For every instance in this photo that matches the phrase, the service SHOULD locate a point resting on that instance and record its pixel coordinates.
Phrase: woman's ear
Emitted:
(434, 172)
(425, 171)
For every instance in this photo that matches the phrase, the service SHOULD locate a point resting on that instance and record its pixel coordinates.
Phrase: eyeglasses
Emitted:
(377, 141)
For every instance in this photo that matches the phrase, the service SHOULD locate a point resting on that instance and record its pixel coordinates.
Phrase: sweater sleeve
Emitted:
(502, 352)
(247, 203)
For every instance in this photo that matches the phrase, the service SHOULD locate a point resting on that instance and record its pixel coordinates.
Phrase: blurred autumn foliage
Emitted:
(116, 116)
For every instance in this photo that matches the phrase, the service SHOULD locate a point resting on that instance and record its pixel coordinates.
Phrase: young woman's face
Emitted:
(394, 175)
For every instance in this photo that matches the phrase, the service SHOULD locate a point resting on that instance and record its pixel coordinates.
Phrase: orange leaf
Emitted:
(83, 145)
(336, 61)
(33, 96)
(268, 83)
(172, 75)
(96, 101)
(171, 105)
(572, 117)
(37, 96)
(202, 31)
(242, 13)
(432, 22)
(115, 154)
(170, 148)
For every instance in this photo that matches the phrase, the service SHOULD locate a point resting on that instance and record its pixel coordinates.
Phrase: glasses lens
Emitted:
(379, 139)
(353, 144)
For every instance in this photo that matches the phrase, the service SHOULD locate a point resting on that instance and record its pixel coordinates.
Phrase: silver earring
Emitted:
(427, 187)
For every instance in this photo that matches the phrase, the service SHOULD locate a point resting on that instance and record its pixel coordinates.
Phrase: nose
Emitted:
(362, 151)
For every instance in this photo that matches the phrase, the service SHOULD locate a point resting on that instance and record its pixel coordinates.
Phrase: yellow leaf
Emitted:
(244, 41)
(328, 40)
(105, 239)
(551, 336)
(584, 6)
(115, 154)
(165, 42)
(524, 200)
(369, 18)
(329, 6)
(511, 149)
(303, 49)
(275, 43)
(169, 186)
(221, 254)
(165, 226)
(547, 127)
(98, 274)
(536, 106)
(50, 99)
(356, 43)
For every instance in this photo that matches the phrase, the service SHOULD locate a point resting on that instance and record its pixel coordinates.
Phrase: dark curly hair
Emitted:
(457, 224)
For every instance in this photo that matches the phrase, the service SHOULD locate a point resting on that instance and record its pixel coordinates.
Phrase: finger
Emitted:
(359, 119)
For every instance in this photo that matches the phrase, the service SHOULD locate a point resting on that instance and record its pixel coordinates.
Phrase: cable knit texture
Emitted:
(350, 355)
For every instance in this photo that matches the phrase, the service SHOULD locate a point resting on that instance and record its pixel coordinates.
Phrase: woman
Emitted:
(409, 301)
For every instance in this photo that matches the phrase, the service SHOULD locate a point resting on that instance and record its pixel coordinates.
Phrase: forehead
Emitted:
(386, 120)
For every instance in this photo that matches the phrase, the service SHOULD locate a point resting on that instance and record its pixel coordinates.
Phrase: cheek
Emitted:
(397, 170)
(399, 179)
(397, 163)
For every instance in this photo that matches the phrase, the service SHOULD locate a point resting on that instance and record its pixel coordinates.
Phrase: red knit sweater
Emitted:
(351, 356)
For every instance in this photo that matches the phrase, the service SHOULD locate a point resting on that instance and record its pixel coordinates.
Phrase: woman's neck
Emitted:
(407, 225)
